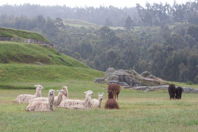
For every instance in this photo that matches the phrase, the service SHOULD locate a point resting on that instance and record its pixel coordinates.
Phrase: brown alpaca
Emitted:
(111, 102)
(114, 89)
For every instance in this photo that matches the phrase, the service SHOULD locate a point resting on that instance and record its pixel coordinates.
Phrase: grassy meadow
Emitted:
(139, 111)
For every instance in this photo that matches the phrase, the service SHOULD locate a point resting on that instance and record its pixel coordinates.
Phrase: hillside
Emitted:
(16, 52)
(24, 64)
(19, 34)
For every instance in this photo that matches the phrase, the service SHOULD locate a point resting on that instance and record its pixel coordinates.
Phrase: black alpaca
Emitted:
(171, 91)
(178, 92)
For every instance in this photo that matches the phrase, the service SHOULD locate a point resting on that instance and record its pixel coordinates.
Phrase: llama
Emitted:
(114, 89)
(42, 105)
(78, 104)
(25, 98)
(171, 91)
(178, 92)
(96, 103)
(57, 99)
(111, 102)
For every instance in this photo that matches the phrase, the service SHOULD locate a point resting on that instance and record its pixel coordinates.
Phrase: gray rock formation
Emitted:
(130, 78)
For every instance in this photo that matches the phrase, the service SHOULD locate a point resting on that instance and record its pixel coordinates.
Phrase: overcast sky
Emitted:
(85, 3)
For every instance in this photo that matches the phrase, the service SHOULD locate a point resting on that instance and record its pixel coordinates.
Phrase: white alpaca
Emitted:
(25, 98)
(42, 105)
(57, 99)
(96, 103)
(78, 104)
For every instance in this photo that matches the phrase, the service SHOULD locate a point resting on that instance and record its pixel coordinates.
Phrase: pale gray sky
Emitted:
(85, 3)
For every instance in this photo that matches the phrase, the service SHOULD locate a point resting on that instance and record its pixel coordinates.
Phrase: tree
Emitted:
(128, 23)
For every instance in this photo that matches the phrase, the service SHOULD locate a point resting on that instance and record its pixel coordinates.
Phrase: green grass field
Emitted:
(139, 112)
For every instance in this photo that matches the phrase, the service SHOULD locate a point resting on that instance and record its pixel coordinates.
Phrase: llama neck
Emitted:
(66, 93)
(59, 99)
(100, 102)
(51, 102)
(88, 101)
(38, 93)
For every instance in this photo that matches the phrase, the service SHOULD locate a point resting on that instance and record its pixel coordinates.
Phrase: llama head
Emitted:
(61, 92)
(89, 92)
(38, 87)
(100, 96)
(51, 92)
(65, 88)
(38, 90)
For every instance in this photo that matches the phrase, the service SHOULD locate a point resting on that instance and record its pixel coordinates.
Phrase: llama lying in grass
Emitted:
(78, 104)
(111, 102)
(42, 105)
(96, 103)
(57, 99)
(25, 98)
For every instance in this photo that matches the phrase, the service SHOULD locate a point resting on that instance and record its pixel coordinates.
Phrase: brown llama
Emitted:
(111, 102)
(114, 89)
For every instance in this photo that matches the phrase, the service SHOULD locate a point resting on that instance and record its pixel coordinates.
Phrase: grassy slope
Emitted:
(5, 32)
(32, 53)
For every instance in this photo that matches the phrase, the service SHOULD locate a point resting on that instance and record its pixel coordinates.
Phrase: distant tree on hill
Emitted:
(129, 23)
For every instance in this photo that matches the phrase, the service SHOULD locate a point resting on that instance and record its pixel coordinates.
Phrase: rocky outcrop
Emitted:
(130, 78)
